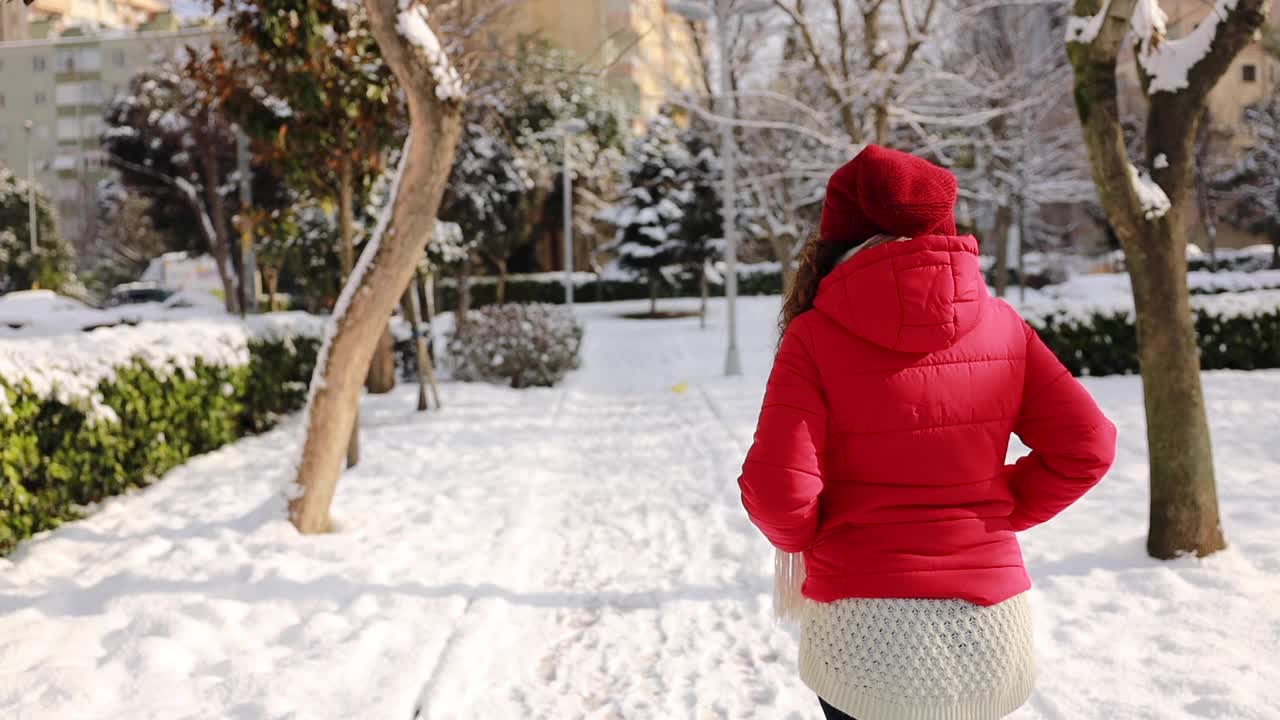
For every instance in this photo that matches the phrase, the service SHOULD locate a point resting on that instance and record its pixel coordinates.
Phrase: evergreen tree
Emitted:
(702, 227)
(51, 265)
(486, 194)
(650, 217)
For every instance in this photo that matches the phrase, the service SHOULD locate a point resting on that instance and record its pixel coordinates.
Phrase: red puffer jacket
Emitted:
(880, 450)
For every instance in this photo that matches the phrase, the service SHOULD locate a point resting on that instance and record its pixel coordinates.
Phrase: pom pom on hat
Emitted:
(889, 192)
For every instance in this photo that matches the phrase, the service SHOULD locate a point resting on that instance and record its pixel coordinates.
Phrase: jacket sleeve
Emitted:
(782, 475)
(1072, 443)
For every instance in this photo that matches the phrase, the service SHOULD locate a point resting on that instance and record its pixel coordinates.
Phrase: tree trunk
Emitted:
(500, 292)
(272, 276)
(783, 247)
(1022, 250)
(220, 244)
(462, 284)
(1000, 235)
(703, 291)
(382, 369)
(1184, 501)
(387, 263)
(346, 215)
(346, 261)
(1275, 249)
(653, 293)
(1184, 506)
(409, 307)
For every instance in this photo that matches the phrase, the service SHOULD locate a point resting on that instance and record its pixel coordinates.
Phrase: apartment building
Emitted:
(643, 49)
(53, 93)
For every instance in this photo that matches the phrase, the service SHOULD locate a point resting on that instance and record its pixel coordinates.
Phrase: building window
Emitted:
(41, 98)
(1250, 73)
(117, 58)
(38, 63)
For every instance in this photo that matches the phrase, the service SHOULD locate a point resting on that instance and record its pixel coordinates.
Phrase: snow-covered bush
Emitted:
(524, 345)
(91, 415)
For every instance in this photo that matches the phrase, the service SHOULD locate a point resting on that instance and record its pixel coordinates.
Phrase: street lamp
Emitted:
(31, 188)
(572, 126)
(721, 11)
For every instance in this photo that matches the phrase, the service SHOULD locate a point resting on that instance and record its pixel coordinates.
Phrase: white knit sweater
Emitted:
(890, 659)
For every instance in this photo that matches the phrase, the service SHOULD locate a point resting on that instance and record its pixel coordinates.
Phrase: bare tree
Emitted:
(434, 90)
(1147, 210)
(1008, 57)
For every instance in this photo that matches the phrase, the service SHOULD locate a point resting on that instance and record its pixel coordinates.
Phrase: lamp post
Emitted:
(31, 188)
(721, 11)
(573, 126)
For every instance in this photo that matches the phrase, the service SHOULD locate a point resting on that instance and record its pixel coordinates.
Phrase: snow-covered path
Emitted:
(580, 553)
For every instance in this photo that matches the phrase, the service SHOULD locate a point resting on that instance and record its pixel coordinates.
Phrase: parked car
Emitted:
(137, 292)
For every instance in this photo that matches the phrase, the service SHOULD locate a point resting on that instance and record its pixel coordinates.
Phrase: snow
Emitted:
(1085, 29)
(1161, 162)
(1168, 62)
(70, 365)
(46, 312)
(1155, 203)
(412, 24)
(581, 552)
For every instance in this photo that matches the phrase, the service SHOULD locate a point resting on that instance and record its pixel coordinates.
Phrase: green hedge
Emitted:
(547, 288)
(1107, 343)
(56, 458)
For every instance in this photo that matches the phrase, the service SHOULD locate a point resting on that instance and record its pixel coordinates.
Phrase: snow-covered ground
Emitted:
(580, 553)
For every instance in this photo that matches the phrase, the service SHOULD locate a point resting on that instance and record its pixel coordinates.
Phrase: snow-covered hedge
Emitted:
(533, 345)
(1237, 331)
(88, 415)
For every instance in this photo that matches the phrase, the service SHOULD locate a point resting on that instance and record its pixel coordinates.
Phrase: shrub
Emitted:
(1234, 333)
(762, 279)
(524, 345)
(60, 452)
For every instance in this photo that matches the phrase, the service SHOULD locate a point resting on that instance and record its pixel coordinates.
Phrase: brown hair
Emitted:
(817, 259)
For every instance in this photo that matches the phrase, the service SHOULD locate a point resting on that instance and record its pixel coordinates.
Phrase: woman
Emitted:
(880, 455)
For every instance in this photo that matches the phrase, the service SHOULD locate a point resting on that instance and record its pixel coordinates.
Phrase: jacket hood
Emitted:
(917, 296)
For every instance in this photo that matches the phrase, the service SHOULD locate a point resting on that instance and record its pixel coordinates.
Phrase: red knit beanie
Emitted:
(889, 192)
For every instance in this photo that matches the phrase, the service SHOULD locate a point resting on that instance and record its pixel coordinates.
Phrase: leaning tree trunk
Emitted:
(653, 294)
(389, 259)
(1184, 506)
(346, 261)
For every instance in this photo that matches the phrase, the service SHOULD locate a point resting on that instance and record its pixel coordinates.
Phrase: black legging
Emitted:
(832, 713)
